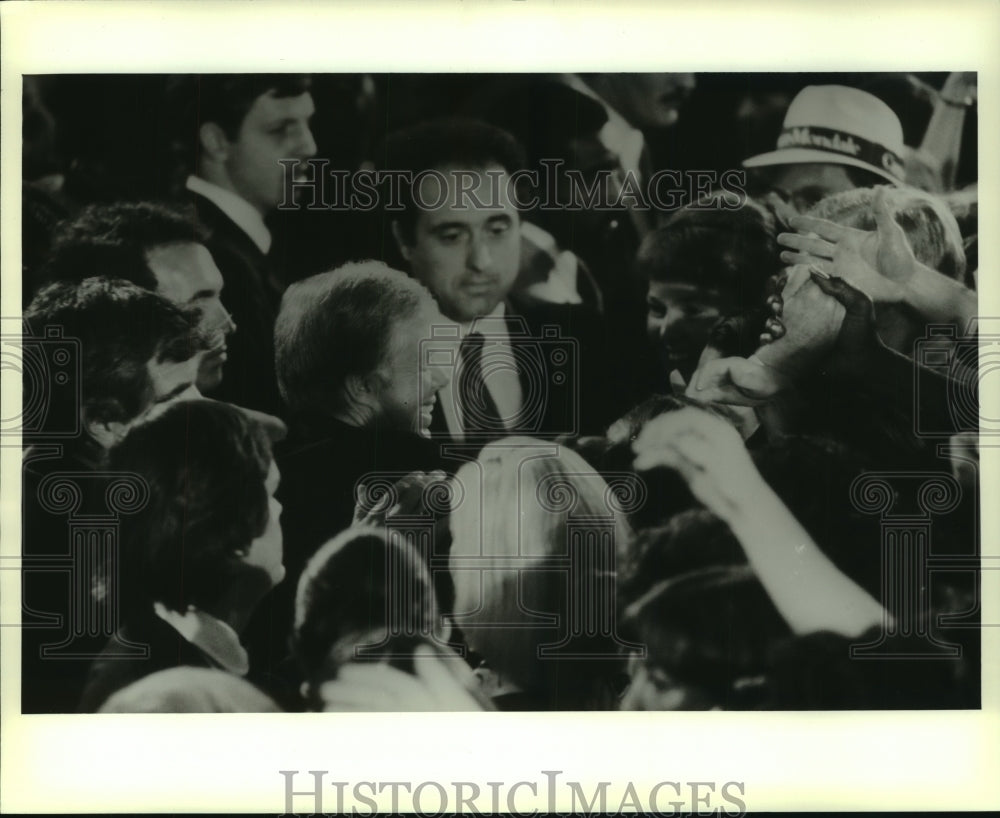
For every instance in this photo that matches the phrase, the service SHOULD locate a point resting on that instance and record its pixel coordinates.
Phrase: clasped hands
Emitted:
(825, 308)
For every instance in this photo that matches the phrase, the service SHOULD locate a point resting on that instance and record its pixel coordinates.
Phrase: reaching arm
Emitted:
(809, 591)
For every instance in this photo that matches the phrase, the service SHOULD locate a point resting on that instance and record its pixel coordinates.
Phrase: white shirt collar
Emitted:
(243, 214)
(492, 324)
(210, 635)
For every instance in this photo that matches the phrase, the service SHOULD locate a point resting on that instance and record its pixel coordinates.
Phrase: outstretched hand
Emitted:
(736, 381)
(880, 263)
(708, 453)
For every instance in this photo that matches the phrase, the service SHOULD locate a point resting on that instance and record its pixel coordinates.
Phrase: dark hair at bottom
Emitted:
(205, 465)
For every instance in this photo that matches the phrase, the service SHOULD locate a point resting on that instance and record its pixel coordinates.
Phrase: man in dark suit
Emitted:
(246, 126)
(348, 354)
(120, 355)
(521, 368)
(348, 346)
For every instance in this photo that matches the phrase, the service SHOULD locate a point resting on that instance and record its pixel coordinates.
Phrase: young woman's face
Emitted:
(679, 320)
(266, 551)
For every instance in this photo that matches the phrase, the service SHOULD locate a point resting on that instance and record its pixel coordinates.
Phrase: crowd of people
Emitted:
(534, 392)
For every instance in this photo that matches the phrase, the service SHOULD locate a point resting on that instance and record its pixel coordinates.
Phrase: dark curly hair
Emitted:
(112, 241)
(120, 327)
(732, 251)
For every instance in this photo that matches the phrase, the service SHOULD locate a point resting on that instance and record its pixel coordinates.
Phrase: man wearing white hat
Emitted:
(834, 138)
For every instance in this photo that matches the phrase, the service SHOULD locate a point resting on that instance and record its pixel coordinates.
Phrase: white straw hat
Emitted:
(834, 124)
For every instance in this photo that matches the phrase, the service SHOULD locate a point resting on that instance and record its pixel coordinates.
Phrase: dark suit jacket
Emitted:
(320, 464)
(57, 645)
(252, 294)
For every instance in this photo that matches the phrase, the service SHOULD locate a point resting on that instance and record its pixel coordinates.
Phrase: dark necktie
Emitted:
(478, 412)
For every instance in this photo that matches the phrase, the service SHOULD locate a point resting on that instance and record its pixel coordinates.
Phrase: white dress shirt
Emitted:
(504, 383)
(243, 214)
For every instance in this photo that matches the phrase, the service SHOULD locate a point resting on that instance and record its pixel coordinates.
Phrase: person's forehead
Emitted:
(464, 194)
(415, 325)
(269, 108)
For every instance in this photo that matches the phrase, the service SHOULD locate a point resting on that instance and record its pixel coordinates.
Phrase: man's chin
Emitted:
(469, 309)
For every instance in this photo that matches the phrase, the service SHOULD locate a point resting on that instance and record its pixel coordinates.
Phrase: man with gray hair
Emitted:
(347, 347)
(348, 360)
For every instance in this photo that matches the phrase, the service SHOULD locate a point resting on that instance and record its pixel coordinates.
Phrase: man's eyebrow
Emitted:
(173, 393)
(500, 217)
(443, 226)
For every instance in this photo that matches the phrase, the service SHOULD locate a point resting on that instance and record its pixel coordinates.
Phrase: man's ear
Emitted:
(362, 390)
(397, 234)
(213, 141)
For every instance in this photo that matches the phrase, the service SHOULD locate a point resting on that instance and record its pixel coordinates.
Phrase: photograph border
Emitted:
(934, 760)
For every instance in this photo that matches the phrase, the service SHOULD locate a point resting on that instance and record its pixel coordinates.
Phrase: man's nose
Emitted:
(307, 144)
(229, 325)
(439, 377)
(480, 257)
(668, 322)
(660, 326)
(219, 319)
